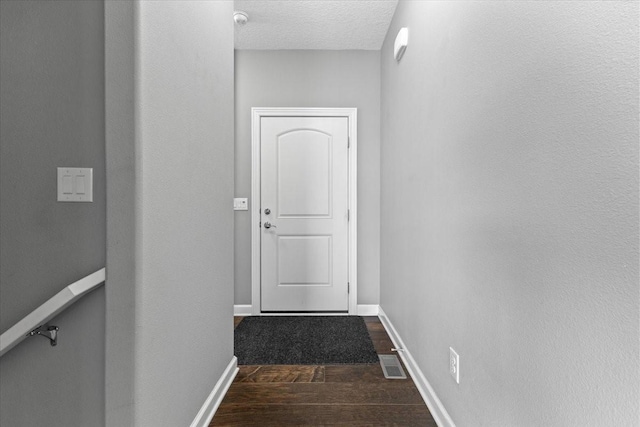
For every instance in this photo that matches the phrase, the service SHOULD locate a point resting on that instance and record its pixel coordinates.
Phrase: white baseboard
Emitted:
(368, 309)
(437, 409)
(362, 310)
(210, 406)
(242, 310)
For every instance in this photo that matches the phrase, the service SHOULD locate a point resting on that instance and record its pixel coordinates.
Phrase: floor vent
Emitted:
(391, 367)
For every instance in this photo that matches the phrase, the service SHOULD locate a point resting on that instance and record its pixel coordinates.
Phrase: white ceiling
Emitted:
(314, 24)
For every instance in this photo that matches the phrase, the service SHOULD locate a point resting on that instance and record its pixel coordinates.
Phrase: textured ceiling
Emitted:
(314, 24)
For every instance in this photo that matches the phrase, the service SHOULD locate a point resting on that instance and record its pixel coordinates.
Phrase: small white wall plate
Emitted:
(240, 204)
(75, 184)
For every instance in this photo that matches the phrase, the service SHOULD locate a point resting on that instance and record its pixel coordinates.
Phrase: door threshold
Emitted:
(304, 313)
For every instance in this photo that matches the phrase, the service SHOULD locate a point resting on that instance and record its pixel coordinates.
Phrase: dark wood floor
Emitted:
(346, 395)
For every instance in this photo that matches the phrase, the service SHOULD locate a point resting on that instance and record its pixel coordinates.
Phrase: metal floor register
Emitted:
(391, 367)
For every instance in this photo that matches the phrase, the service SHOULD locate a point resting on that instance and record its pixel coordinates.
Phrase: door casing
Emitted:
(256, 115)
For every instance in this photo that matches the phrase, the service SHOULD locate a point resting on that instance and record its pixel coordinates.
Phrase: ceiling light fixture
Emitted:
(240, 17)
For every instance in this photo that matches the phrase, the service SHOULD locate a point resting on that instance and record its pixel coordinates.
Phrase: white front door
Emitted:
(304, 209)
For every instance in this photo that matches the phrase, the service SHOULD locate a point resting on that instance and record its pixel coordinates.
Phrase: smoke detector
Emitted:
(240, 17)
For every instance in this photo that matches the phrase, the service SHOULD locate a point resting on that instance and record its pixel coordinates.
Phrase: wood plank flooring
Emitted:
(332, 395)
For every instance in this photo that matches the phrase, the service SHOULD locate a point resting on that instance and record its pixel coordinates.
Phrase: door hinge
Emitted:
(348, 215)
(348, 142)
(348, 287)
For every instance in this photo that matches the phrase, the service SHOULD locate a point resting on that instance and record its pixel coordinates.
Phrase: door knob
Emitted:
(268, 225)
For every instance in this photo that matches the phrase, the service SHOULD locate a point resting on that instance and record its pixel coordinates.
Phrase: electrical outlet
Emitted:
(454, 365)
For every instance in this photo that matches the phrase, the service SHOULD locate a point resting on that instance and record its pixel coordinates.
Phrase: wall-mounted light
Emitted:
(401, 43)
(240, 17)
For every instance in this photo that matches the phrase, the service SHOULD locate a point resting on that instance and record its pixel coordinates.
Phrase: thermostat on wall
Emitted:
(401, 43)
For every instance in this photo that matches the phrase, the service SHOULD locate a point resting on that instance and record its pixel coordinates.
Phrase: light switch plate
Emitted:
(240, 204)
(75, 184)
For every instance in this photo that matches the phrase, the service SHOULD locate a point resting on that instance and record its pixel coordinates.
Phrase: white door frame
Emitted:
(256, 115)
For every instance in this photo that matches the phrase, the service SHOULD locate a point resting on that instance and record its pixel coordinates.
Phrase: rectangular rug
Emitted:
(303, 340)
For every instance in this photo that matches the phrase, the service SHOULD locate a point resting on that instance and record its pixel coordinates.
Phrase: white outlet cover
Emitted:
(454, 365)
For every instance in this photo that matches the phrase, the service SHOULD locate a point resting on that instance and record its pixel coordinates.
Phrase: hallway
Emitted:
(497, 218)
(353, 395)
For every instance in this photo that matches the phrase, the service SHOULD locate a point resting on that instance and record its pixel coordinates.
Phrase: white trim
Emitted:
(49, 310)
(351, 114)
(242, 310)
(363, 310)
(305, 313)
(368, 309)
(437, 409)
(210, 406)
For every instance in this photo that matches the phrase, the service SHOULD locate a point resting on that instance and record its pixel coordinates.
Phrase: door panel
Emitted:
(304, 260)
(304, 189)
(304, 174)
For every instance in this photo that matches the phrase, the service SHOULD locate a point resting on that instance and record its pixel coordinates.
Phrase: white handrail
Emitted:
(49, 310)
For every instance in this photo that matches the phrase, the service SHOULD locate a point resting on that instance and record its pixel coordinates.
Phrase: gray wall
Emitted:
(312, 79)
(121, 162)
(51, 115)
(513, 128)
(170, 64)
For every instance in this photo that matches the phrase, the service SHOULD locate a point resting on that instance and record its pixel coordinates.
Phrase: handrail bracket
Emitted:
(49, 332)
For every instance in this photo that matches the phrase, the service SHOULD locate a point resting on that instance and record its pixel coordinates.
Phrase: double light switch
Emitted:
(75, 184)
